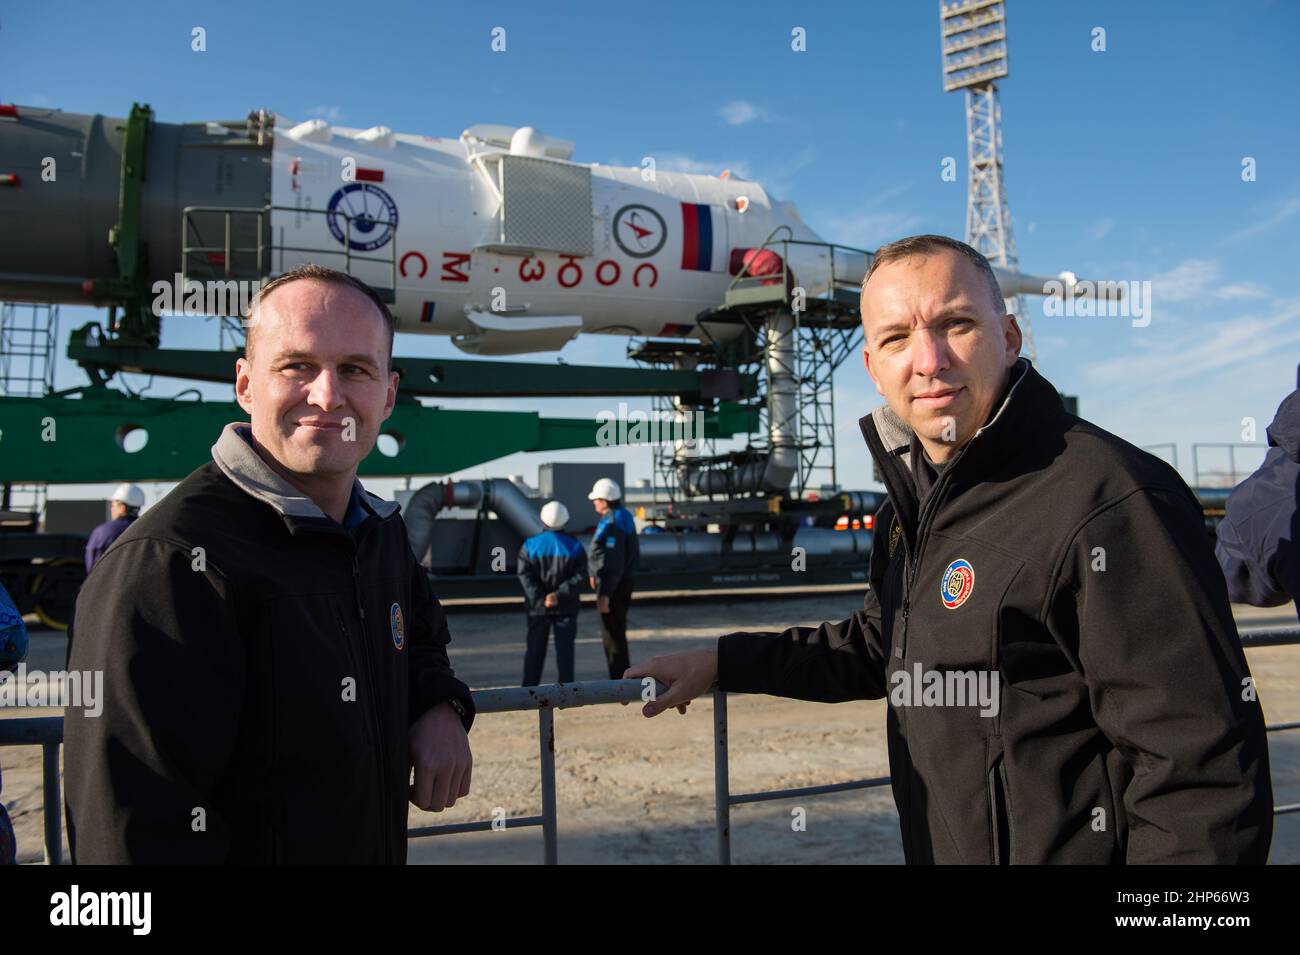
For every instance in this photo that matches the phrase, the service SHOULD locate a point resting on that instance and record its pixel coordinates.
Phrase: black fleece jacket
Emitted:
(262, 667)
(1075, 569)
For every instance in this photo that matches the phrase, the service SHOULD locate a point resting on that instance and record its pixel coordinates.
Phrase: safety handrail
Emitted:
(265, 251)
(47, 732)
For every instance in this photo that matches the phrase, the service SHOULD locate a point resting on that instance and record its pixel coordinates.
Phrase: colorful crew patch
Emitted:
(958, 582)
(697, 237)
(397, 626)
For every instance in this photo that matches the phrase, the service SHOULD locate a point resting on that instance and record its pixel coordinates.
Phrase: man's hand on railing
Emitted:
(687, 675)
(441, 757)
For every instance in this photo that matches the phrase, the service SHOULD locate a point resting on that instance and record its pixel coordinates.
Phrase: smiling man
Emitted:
(1045, 614)
(275, 663)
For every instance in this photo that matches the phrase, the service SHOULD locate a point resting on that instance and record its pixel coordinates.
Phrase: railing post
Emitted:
(721, 779)
(53, 804)
(546, 735)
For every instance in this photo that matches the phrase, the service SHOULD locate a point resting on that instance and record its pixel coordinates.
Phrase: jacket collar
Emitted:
(1030, 398)
(247, 471)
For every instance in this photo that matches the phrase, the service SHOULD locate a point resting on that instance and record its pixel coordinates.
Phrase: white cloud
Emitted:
(869, 226)
(871, 230)
(1208, 347)
(680, 162)
(1284, 211)
(739, 112)
(1239, 290)
(774, 176)
(1192, 279)
(1100, 229)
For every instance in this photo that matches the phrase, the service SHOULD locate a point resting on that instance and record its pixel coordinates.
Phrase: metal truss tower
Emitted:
(974, 38)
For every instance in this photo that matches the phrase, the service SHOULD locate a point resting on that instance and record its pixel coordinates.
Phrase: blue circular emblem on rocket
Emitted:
(371, 216)
(397, 626)
(958, 582)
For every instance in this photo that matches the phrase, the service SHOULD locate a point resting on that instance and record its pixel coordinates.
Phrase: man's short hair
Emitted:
(320, 273)
(927, 244)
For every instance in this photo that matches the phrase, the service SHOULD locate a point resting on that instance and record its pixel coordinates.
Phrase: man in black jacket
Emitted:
(275, 663)
(1045, 615)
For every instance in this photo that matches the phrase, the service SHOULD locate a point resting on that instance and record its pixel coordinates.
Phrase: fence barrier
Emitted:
(47, 732)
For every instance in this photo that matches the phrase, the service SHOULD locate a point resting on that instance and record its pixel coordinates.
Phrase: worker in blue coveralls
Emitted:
(552, 566)
(615, 553)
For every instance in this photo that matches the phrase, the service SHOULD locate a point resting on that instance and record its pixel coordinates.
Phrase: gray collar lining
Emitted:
(897, 436)
(246, 469)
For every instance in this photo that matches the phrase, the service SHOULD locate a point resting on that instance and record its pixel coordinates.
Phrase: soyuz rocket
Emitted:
(495, 238)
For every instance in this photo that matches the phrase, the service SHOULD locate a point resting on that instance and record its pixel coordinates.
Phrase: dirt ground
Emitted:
(641, 791)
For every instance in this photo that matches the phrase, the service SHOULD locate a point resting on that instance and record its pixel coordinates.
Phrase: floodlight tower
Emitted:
(974, 42)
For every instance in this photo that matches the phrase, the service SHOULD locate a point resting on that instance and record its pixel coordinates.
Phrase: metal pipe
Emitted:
(669, 547)
(546, 739)
(721, 778)
(559, 696)
(482, 825)
(770, 794)
(826, 541)
(774, 470)
(498, 495)
(53, 803)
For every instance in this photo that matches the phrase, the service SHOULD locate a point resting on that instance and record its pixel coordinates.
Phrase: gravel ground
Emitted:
(636, 790)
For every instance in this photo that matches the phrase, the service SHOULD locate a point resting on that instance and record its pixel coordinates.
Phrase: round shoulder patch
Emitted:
(958, 582)
(397, 626)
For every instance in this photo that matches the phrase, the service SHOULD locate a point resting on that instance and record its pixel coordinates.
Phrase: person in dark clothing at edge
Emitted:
(552, 567)
(275, 662)
(124, 507)
(1256, 540)
(615, 553)
(1026, 552)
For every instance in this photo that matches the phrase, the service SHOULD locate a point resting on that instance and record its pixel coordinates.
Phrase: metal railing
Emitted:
(264, 252)
(47, 732)
(747, 288)
(545, 700)
(1205, 476)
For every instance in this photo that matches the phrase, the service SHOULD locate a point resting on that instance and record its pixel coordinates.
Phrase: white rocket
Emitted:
(495, 238)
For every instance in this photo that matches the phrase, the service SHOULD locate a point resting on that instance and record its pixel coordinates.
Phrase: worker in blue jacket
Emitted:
(124, 508)
(615, 553)
(552, 565)
(1256, 543)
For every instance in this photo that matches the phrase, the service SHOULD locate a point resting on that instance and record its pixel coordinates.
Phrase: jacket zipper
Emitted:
(913, 564)
(374, 702)
(922, 525)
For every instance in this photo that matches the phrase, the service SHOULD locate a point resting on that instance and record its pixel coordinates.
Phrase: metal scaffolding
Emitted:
(974, 38)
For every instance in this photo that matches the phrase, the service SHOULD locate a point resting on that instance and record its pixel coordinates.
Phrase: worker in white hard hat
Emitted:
(552, 565)
(123, 508)
(614, 555)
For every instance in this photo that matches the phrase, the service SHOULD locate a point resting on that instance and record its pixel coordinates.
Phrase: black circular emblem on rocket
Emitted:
(639, 231)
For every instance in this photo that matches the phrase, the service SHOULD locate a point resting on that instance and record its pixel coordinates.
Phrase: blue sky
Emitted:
(1124, 164)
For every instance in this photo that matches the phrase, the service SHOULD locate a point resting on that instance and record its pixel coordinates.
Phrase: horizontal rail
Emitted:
(47, 732)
